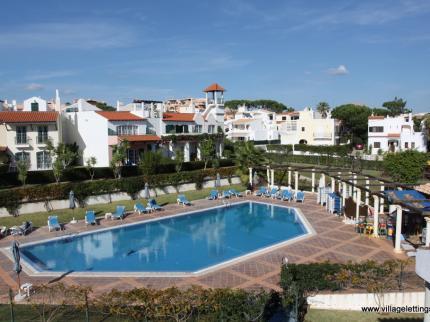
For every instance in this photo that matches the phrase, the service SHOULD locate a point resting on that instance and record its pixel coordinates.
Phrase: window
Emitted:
(376, 129)
(197, 129)
(303, 129)
(406, 145)
(377, 145)
(21, 135)
(22, 156)
(35, 107)
(132, 157)
(271, 117)
(412, 145)
(211, 129)
(42, 134)
(284, 118)
(176, 129)
(126, 130)
(43, 160)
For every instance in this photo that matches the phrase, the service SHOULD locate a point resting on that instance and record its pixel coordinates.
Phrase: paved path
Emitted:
(334, 241)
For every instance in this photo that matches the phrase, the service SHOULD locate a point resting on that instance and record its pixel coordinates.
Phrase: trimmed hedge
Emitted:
(81, 173)
(131, 185)
(340, 150)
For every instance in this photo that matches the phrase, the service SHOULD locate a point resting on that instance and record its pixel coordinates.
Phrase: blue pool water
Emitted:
(185, 243)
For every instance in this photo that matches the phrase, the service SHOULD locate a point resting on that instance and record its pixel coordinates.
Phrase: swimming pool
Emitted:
(188, 243)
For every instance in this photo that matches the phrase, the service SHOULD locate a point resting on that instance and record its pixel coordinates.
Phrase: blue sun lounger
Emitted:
(139, 208)
(153, 205)
(119, 213)
(90, 217)
(261, 191)
(53, 223)
(286, 195)
(226, 194)
(235, 193)
(213, 195)
(300, 196)
(182, 200)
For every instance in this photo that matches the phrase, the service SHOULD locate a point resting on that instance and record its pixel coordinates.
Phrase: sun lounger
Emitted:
(152, 205)
(53, 223)
(235, 193)
(300, 196)
(226, 194)
(285, 195)
(213, 195)
(182, 200)
(261, 191)
(140, 209)
(272, 193)
(22, 230)
(119, 212)
(90, 217)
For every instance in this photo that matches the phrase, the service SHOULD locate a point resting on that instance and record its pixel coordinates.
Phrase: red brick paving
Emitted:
(334, 241)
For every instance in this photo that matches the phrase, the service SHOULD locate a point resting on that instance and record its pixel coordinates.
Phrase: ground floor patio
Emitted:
(334, 241)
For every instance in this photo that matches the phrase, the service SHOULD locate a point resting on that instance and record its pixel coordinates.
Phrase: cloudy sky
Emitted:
(298, 52)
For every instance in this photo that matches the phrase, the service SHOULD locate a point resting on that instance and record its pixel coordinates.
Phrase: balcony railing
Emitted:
(22, 140)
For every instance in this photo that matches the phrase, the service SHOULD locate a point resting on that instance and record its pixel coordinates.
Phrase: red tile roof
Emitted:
(376, 117)
(393, 135)
(178, 117)
(140, 138)
(214, 88)
(28, 117)
(119, 116)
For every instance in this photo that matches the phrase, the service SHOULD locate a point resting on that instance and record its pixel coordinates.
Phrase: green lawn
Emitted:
(65, 215)
(356, 316)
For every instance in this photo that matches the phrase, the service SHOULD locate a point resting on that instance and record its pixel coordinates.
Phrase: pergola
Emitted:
(354, 183)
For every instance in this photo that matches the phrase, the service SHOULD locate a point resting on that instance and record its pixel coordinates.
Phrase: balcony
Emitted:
(322, 136)
(22, 141)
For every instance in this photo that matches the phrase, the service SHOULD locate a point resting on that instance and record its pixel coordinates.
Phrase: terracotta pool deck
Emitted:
(334, 241)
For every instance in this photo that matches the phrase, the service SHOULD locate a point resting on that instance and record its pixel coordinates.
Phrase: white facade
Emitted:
(250, 124)
(393, 134)
(307, 127)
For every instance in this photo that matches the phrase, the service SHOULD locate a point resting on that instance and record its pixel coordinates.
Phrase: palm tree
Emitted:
(248, 156)
(323, 108)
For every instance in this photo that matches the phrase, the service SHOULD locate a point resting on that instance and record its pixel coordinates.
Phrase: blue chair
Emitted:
(139, 208)
(153, 205)
(119, 212)
(182, 200)
(261, 191)
(213, 195)
(226, 194)
(300, 196)
(286, 195)
(53, 223)
(235, 193)
(90, 217)
(272, 193)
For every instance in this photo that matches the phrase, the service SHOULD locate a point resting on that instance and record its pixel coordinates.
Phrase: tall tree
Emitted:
(270, 105)
(119, 155)
(207, 150)
(323, 108)
(354, 120)
(248, 156)
(396, 106)
(150, 161)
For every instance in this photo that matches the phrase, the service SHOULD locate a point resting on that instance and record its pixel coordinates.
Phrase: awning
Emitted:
(140, 138)
(409, 195)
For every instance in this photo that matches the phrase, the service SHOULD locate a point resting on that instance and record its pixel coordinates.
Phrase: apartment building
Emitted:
(307, 127)
(393, 134)
(26, 129)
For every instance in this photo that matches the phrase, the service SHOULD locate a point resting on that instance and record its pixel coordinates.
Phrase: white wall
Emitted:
(34, 99)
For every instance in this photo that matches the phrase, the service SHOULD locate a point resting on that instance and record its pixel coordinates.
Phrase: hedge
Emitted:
(11, 198)
(340, 150)
(80, 173)
(341, 162)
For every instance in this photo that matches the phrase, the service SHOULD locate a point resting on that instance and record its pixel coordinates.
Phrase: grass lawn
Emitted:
(356, 316)
(39, 219)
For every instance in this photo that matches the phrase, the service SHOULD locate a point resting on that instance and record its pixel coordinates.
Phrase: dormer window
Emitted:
(35, 107)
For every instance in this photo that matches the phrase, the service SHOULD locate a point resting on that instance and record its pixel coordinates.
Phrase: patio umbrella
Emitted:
(321, 183)
(17, 259)
(72, 202)
(146, 191)
(218, 180)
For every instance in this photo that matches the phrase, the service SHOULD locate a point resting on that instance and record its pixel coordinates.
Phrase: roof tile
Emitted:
(28, 117)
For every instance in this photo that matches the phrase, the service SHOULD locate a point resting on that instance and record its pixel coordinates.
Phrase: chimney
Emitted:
(57, 101)
(117, 105)
(14, 108)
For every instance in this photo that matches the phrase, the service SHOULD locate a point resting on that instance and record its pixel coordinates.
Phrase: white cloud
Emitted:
(76, 36)
(34, 87)
(338, 71)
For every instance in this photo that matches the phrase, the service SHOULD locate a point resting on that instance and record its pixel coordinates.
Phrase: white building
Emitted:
(392, 134)
(252, 124)
(25, 131)
(307, 127)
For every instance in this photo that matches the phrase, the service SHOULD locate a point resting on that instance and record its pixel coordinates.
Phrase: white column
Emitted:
(199, 152)
(171, 151)
(333, 184)
(357, 209)
(427, 219)
(367, 192)
(354, 189)
(398, 249)
(340, 181)
(289, 176)
(268, 175)
(187, 152)
(343, 193)
(250, 176)
(323, 175)
(272, 177)
(381, 204)
(296, 181)
(376, 216)
(313, 180)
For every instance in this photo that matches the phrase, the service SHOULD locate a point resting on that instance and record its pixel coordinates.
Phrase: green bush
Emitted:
(407, 166)
(339, 150)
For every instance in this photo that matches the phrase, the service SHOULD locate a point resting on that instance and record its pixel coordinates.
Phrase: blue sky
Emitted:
(297, 52)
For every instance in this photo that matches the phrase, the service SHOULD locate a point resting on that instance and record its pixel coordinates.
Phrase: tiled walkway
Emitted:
(334, 241)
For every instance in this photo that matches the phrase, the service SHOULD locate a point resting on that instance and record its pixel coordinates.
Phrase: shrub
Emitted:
(407, 166)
